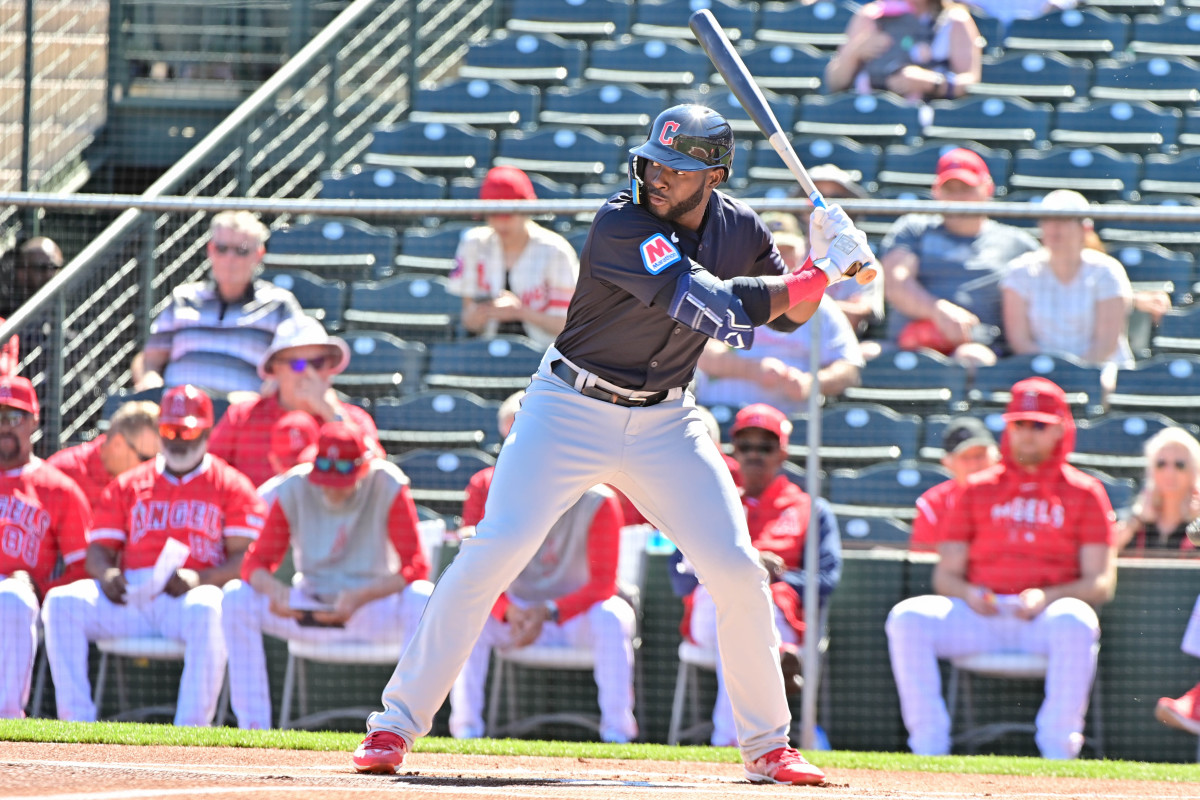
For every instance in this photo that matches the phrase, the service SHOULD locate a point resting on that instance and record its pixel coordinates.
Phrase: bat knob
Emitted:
(864, 275)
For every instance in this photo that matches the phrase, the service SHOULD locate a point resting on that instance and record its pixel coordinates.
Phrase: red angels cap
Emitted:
(506, 183)
(342, 457)
(185, 406)
(1037, 400)
(294, 438)
(17, 392)
(961, 164)
(761, 415)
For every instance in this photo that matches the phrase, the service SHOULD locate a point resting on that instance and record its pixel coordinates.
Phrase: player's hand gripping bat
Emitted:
(716, 45)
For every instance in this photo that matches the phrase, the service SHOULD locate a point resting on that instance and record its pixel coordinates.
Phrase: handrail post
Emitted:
(146, 273)
(329, 114)
(52, 423)
(28, 214)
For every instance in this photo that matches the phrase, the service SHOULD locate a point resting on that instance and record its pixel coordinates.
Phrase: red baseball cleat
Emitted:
(1182, 712)
(784, 765)
(381, 752)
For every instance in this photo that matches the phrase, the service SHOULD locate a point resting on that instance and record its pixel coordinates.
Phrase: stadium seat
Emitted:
(381, 183)
(431, 147)
(991, 30)
(1034, 76)
(727, 105)
(919, 381)
(524, 58)
(491, 368)
(381, 364)
(1178, 172)
(821, 24)
(668, 19)
(1084, 31)
(410, 306)
(1006, 121)
(1119, 124)
(860, 160)
(1158, 79)
(1173, 33)
(1121, 491)
(333, 248)
(864, 533)
(1176, 235)
(1114, 442)
(601, 19)
(1099, 172)
(1178, 331)
(787, 69)
(854, 434)
(1131, 6)
(859, 116)
(935, 426)
(474, 101)
(437, 420)
(1079, 381)
(1189, 135)
(439, 478)
(569, 150)
(626, 108)
(430, 250)
(916, 165)
(888, 490)
(320, 298)
(1154, 267)
(649, 62)
(1168, 383)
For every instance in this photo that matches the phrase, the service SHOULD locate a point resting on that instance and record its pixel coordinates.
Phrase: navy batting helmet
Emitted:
(687, 138)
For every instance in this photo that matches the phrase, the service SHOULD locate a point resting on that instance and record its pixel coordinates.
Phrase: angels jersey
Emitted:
(43, 514)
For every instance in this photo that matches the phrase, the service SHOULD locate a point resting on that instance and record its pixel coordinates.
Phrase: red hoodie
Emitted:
(1025, 528)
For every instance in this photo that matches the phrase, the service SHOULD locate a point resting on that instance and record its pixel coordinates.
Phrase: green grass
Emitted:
(128, 733)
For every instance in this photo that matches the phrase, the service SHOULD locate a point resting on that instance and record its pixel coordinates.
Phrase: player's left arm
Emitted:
(829, 556)
(1097, 581)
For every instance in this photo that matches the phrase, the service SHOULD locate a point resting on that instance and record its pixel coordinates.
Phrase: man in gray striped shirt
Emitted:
(213, 333)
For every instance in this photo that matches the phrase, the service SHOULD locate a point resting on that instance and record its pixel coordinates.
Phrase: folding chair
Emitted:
(141, 648)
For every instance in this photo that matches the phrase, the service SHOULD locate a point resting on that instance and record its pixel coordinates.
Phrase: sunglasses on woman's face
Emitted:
(342, 466)
(173, 432)
(242, 250)
(319, 363)
(1178, 464)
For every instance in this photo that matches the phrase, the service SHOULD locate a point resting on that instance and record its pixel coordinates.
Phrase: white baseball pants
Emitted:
(1191, 635)
(79, 613)
(606, 628)
(921, 630)
(704, 632)
(18, 631)
(246, 616)
(662, 457)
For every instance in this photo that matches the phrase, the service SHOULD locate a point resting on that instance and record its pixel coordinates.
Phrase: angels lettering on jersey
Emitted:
(203, 521)
(23, 526)
(1026, 517)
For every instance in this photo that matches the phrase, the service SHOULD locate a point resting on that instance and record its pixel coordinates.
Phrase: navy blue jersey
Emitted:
(629, 257)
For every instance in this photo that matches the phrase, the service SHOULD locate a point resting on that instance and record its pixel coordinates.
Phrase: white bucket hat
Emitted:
(300, 332)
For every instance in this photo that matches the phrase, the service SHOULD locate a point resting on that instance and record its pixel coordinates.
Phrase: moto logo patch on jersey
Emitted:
(658, 253)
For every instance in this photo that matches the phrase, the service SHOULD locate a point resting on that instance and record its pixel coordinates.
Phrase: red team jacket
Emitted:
(932, 508)
(1025, 529)
(144, 507)
(43, 515)
(604, 543)
(82, 464)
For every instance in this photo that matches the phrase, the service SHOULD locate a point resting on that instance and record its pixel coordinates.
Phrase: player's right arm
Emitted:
(101, 564)
(904, 292)
(110, 526)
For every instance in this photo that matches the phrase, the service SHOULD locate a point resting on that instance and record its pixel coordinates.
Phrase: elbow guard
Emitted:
(707, 305)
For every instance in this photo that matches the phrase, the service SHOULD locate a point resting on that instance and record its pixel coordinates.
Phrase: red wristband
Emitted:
(806, 283)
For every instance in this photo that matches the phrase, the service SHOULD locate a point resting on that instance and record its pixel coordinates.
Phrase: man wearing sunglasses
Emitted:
(132, 439)
(1027, 555)
(44, 517)
(361, 576)
(778, 513)
(302, 362)
(213, 333)
(185, 496)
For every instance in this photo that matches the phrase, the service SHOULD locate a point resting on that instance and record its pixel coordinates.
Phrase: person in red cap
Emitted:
(778, 514)
(293, 441)
(187, 510)
(44, 516)
(132, 439)
(514, 276)
(1027, 556)
(942, 272)
(360, 573)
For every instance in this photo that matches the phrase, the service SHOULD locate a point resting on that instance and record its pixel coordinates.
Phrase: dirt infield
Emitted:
(115, 772)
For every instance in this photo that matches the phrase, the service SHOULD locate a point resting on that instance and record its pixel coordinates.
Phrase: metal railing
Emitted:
(80, 331)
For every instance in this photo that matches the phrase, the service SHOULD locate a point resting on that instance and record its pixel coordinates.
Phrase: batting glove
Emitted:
(837, 248)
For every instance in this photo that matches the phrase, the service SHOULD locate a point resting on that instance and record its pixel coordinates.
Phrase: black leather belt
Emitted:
(568, 374)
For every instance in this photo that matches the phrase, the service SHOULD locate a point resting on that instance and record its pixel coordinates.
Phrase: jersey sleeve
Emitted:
(402, 532)
(635, 255)
(562, 273)
(245, 512)
(925, 535)
(462, 279)
(1111, 280)
(476, 496)
(110, 521)
(603, 551)
(74, 518)
(267, 551)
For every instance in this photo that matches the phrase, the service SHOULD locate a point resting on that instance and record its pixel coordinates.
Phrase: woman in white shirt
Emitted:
(1066, 297)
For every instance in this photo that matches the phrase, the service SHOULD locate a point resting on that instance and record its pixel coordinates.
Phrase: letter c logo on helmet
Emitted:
(689, 138)
(667, 135)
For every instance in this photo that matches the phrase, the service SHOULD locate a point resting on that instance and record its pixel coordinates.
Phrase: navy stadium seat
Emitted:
(1114, 442)
(606, 19)
(1034, 76)
(1121, 491)
(1085, 31)
(1080, 382)
(853, 434)
(916, 165)
(1176, 235)
(436, 419)
(320, 298)
(919, 381)
(474, 101)
(1158, 79)
(410, 306)
(821, 24)
(576, 151)
(491, 368)
(1119, 124)
(649, 62)
(668, 19)
(1189, 136)
(1174, 33)
(1154, 267)
(430, 249)
(381, 364)
(784, 68)
(1178, 172)
(727, 105)
(627, 108)
(860, 532)
(1169, 383)
(438, 478)
(887, 490)
(1007, 121)
(524, 58)
(860, 160)
(1099, 172)
(1178, 331)
(859, 116)
(381, 183)
(431, 147)
(368, 251)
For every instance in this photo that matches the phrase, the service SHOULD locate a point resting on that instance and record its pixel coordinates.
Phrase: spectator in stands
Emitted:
(969, 448)
(45, 517)
(360, 573)
(920, 49)
(1066, 298)
(132, 439)
(566, 596)
(189, 510)
(776, 370)
(943, 272)
(514, 276)
(301, 360)
(1170, 498)
(293, 441)
(36, 261)
(778, 513)
(213, 333)
(1008, 10)
(1026, 556)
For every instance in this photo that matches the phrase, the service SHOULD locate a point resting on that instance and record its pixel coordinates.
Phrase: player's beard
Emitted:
(10, 447)
(683, 206)
(181, 457)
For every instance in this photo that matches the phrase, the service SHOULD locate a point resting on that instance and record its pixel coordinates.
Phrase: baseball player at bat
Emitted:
(668, 264)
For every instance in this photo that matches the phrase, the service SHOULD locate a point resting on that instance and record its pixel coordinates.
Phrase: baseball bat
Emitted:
(716, 45)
